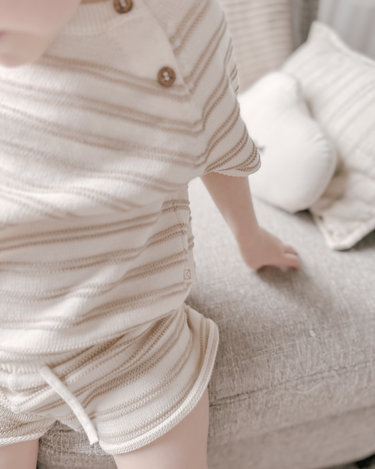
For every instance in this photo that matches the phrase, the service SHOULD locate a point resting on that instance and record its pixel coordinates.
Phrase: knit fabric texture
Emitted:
(95, 239)
(96, 156)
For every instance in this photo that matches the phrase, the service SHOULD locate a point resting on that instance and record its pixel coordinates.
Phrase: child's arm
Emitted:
(258, 247)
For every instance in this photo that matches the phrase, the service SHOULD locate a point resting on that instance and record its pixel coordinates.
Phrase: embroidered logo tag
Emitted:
(189, 275)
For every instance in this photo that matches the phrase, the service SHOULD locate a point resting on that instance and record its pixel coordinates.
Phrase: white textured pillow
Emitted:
(339, 86)
(298, 160)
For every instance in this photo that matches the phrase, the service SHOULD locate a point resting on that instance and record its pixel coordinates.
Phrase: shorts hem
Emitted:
(188, 405)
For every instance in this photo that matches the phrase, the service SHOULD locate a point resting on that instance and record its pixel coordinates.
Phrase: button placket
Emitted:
(123, 6)
(166, 76)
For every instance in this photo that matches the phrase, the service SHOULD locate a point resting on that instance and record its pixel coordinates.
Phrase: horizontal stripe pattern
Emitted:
(133, 388)
(95, 224)
(95, 160)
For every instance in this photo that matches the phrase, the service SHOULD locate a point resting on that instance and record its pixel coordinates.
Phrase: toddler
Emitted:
(107, 110)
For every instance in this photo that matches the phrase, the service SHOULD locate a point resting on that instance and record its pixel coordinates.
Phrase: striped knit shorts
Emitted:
(123, 393)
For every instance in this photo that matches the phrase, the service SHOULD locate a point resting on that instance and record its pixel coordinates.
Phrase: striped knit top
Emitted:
(98, 141)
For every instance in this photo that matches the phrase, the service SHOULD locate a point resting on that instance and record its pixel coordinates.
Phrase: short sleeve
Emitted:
(229, 148)
(210, 134)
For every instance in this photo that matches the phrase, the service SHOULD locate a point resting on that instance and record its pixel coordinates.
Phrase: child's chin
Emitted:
(12, 61)
(21, 49)
(8, 61)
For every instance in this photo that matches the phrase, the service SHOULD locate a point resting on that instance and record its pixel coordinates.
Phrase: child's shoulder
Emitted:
(184, 20)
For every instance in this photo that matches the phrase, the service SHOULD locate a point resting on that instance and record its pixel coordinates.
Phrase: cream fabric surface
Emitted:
(95, 237)
(298, 159)
(131, 389)
(338, 85)
(262, 36)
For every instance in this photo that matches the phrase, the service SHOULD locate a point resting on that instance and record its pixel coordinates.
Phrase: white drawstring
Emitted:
(72, 402)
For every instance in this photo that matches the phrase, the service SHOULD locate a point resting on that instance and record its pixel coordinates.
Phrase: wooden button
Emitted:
(123, 6)
(166, 76)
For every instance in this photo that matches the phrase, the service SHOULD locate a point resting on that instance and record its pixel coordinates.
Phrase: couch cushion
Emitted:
(320, 444)
(339, 86)
(295, 346)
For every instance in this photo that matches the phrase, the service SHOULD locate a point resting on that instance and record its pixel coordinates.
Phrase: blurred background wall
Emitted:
(303, 13)
(265, 32)
(354, 20)
(261, 34)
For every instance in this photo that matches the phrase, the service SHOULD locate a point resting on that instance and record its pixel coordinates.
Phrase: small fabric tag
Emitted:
(189, 274)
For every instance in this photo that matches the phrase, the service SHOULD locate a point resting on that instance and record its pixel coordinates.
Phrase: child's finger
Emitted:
(290, 249)
(291, 260)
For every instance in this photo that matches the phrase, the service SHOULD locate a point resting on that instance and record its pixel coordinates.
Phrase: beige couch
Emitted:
(294, 381)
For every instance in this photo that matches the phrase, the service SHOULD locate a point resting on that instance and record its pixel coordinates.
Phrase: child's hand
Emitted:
(258, 247)
(263, 248)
